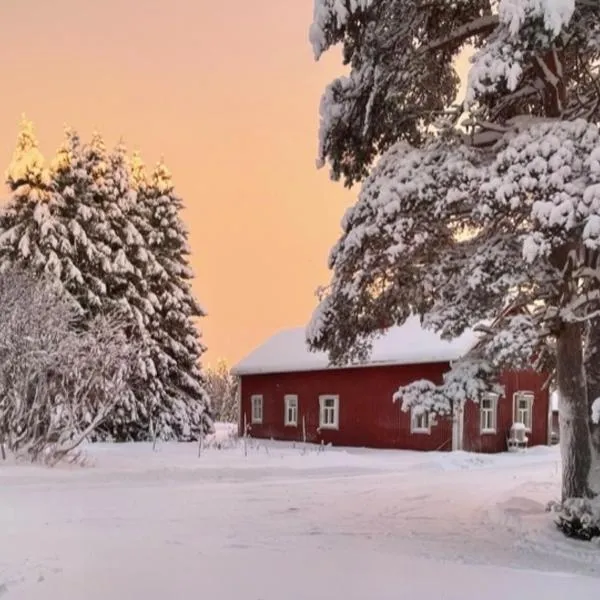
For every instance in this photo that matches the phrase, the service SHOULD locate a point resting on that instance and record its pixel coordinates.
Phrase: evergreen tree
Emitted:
(73, 173)
(30, 236)
(500, 224)
(116, 243)
(133, 266)
(183, 412)
(95, 197)
(152, 277)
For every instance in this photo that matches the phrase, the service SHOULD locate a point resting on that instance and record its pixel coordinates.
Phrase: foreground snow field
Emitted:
(288, 523)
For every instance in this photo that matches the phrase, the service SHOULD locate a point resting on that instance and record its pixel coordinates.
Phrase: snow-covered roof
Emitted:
(410, 343)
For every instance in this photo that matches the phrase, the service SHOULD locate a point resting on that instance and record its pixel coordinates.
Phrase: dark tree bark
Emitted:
(592, 373)
(591, 361)
(574, 413)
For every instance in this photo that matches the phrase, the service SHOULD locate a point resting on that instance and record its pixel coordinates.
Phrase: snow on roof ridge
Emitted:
(287, 352)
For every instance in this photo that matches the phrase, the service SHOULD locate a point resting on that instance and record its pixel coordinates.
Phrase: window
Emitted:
(523, 409)
(257, 409)
(329, 415)
(488, 411)
(290, 416)
(420, 422)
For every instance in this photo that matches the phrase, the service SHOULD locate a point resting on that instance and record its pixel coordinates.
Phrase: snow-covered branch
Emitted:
(479, 26)
(468, 380)
(58, 379)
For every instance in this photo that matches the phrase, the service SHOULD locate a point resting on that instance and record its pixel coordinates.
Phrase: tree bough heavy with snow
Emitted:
(58, 381)
(115, 242)
(493, 221)
(182, 411)
(30, 235)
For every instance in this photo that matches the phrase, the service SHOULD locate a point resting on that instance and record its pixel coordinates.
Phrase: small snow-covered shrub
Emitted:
(580, 518)
(224, 438)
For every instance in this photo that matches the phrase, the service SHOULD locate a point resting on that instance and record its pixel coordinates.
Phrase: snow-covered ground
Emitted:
(288, 522)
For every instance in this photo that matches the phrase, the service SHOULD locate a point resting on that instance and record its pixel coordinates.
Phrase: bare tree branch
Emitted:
(58, 379)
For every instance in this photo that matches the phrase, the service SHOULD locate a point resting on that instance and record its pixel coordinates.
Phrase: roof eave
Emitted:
(241, 371)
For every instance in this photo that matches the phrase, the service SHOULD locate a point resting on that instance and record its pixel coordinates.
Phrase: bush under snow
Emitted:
(58, 380)
(580, 518)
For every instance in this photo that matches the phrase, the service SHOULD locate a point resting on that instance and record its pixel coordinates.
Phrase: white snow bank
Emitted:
(410, 343)
(274, 458)
(345, 523)
(225, 457)
(342, 572)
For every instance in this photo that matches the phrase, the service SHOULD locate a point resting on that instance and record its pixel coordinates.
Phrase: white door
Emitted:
(458, 421)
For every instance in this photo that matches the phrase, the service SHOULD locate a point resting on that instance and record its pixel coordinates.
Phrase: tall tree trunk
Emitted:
(574, 413)
(592, 374)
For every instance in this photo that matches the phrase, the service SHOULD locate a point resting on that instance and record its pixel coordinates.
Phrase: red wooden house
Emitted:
(290, 393)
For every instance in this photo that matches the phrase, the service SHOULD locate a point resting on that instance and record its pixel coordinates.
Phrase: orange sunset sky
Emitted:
(228, 93)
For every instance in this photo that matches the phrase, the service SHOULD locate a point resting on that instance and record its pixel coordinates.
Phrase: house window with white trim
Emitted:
(523, 409)
(290, 415)
(257, 409)
(329, 413)
(488, 411)
(420, 421)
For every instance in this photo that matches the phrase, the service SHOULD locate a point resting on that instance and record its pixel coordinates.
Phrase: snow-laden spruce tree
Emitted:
(81, 179)
(68, 222)
(82, 222)
(183, 410)
(73, 172)
(29, 233)
(495, 221)
(124, 269)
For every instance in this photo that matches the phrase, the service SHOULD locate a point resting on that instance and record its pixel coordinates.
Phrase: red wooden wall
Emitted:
(368, 416)
(513, 381)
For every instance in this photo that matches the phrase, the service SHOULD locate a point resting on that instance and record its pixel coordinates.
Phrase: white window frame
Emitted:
(257, 406)
(415, 426)
(529, 396)
(335, 421)
(290, 403)
(493, 410)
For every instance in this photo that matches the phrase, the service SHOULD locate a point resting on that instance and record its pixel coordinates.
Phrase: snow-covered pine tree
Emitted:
(183, 410)
(124, 272)
(179, 308)
(95, 194)
(402, 79)
(30, 236)
(80, 222)
(137, 169)
(73, 172)
(499, 221)
(156, 364)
